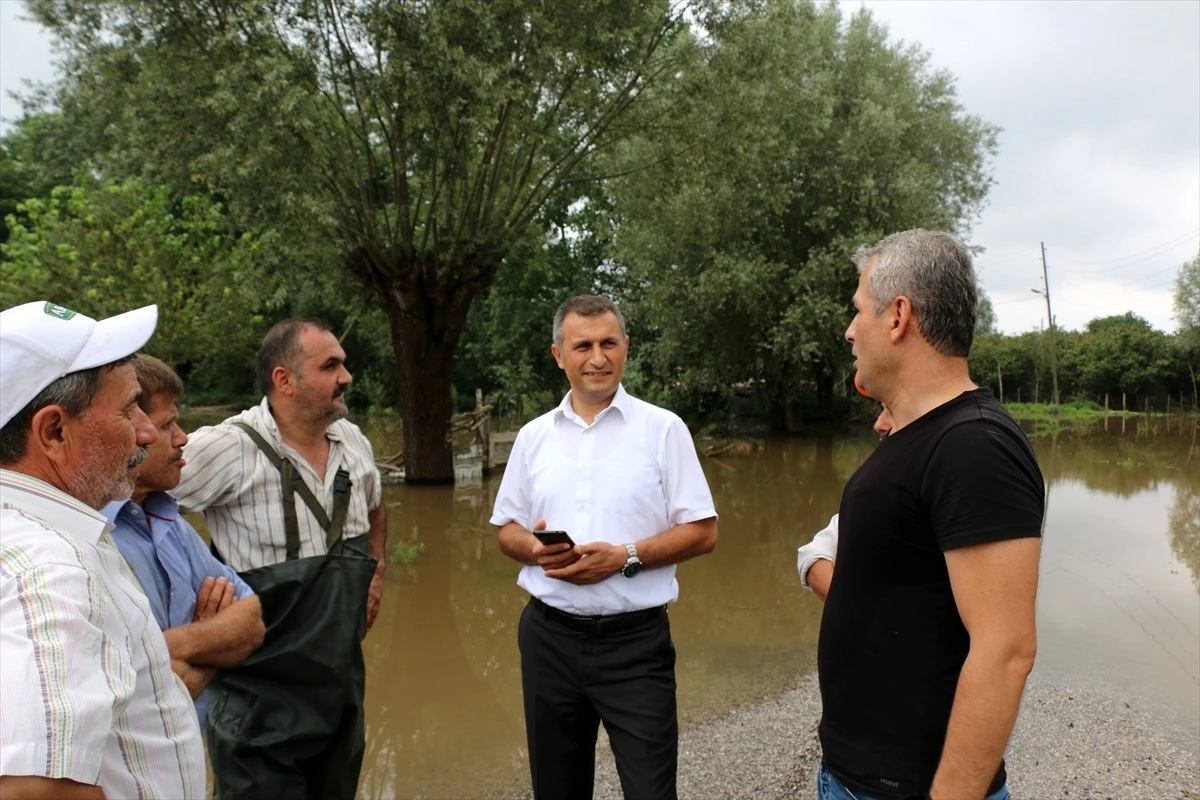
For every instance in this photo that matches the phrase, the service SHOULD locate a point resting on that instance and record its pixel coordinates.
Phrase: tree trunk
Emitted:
(824, 381)
(423, 364)
(793, 418)
(426, 303)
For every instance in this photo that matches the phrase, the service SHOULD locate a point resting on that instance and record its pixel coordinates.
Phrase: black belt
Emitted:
(598, 625)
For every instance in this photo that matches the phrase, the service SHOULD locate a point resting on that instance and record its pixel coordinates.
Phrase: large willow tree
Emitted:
(423, 137)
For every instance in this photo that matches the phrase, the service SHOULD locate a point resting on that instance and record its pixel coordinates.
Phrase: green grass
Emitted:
(406, 551)
(1046, 419)
(1074, 411)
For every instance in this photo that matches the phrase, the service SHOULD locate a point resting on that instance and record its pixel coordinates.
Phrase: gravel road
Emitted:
(1073, 740)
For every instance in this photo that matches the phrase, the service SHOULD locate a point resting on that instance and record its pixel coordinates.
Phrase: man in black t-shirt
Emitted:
(928, 632)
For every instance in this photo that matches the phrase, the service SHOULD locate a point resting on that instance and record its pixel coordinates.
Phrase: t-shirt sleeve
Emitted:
(55, 672)
(688, 495)
(214, 470)
(983, 485)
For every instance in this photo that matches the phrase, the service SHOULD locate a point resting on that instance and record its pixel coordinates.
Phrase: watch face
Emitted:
(629, 570)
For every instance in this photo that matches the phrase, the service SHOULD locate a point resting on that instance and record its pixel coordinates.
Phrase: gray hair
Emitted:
(74, 392)
(585, 305)
(933, 270)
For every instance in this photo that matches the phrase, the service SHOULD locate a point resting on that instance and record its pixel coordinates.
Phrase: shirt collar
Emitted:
(156, 504)
(262, 418)
(621, 401)
(56, 508)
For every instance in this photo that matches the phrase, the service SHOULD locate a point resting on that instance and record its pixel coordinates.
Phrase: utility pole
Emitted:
(1045, 292)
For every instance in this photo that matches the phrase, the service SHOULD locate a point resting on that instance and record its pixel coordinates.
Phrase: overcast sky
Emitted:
(1099, 154)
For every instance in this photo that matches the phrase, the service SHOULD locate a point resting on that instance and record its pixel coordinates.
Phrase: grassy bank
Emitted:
(1074, 411)
(1046, 418)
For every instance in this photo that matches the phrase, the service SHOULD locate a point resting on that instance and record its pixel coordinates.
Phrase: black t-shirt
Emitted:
(892, 643)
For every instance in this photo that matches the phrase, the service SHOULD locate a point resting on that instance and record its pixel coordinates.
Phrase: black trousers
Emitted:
(572, 681)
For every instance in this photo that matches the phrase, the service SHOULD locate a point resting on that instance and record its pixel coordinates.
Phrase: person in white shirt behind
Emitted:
(815, 560)
(621, 478)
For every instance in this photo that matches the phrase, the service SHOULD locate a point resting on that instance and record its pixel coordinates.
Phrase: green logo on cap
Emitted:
(58, 311)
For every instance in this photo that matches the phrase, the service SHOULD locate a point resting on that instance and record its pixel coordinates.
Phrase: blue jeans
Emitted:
(830, 788)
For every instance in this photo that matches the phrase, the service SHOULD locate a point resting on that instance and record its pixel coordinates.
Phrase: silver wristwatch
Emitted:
(633, 564)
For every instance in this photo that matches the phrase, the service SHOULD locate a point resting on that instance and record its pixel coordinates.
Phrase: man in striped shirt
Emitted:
(91, 708)
(302, 374)
(288, 722)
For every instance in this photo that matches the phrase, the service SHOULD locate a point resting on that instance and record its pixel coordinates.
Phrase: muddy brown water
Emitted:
(1118, 606)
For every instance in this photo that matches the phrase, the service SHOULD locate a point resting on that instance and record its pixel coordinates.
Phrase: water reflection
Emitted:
(1119, 597)
(1185, 527)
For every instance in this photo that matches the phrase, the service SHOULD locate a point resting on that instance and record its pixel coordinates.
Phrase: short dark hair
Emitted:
(585, 305)
(74, 392)
(281, 348)
(155, 377)
(933, 270)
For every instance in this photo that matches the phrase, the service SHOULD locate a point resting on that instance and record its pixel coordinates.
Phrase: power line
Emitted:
(1124, 262)
(1126, 288)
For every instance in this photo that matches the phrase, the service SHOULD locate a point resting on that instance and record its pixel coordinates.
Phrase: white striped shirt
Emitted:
(239, 491)
(85, 676)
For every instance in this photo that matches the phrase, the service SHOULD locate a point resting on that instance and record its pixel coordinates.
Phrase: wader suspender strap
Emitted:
(292, 482)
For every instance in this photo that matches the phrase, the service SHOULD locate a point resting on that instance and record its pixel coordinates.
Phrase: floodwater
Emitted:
(1118, 605)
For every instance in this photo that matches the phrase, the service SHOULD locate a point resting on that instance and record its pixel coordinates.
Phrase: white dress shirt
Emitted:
(240, 493)
(822, 547)
(633, 473)
(85, 676)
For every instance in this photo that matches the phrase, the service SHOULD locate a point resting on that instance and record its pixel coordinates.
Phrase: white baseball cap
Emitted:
(40, 342)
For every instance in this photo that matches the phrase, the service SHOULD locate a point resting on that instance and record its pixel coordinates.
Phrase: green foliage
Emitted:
(985, 315)
(422, 140)
(1114, 355)
(406, 551)
(108, 247)
(1076, 410)
(1187, 296)
(1187, 314)
(505, 349)
(1122, 353)
(794, 136)
(13, 190)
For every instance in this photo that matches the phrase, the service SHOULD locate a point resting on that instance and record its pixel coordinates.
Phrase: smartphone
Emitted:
(554, 537)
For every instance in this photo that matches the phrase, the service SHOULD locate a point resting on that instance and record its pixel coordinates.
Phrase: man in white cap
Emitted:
(91, 707)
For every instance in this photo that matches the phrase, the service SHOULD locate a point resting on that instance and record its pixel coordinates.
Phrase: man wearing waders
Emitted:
(292, 499)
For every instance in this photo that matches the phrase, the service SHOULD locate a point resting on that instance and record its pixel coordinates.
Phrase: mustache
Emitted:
(138, 457)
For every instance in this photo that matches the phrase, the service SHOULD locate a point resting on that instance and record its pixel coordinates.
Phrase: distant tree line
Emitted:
(1119, 361)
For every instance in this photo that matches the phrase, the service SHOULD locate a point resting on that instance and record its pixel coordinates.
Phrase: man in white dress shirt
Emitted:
(621, 477)
(91, 708)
